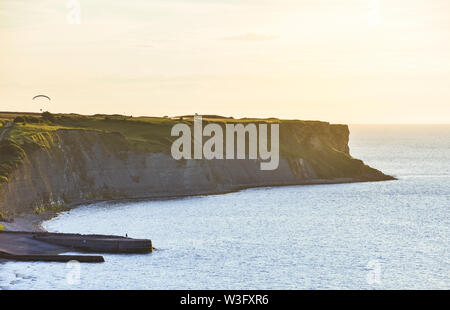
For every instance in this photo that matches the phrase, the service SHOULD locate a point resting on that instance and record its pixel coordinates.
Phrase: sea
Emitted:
(370, 236)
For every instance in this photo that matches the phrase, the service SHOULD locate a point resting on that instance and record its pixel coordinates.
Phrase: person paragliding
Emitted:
(39, 99)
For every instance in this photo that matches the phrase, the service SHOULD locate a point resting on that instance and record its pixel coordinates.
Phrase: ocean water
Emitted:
(377, 235)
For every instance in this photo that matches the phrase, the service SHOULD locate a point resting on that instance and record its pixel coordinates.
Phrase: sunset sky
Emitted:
(347, 61)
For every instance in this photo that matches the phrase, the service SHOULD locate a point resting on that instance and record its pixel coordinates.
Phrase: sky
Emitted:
(342, 61)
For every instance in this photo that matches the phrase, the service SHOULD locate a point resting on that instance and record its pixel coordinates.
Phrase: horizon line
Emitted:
(331, 122)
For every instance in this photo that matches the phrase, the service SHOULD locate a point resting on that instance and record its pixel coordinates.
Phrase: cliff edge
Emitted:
(54, 160)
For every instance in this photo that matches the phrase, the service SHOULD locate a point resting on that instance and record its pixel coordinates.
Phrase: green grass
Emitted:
(32, 131)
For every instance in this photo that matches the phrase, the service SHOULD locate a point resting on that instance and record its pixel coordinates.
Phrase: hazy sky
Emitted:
(350, 61)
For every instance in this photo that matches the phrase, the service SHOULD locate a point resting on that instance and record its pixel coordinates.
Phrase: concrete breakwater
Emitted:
(45, 246)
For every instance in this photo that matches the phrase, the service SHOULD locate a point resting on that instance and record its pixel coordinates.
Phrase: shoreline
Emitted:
(32, 222)
(29, 222)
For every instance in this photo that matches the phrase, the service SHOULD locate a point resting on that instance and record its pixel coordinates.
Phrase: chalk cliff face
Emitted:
(82, 166)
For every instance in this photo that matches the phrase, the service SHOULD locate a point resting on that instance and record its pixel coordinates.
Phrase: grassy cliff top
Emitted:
(323, 145)
(152, 131)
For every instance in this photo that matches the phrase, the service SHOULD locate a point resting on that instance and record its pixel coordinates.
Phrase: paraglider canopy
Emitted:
(42, 100)
(43, 96)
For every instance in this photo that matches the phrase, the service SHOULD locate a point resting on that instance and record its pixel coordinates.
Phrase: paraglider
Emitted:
(44, 97)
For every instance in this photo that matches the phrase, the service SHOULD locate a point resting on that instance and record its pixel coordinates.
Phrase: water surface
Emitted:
(377, 235)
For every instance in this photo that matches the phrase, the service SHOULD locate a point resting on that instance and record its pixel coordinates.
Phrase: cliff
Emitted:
(71, 159)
